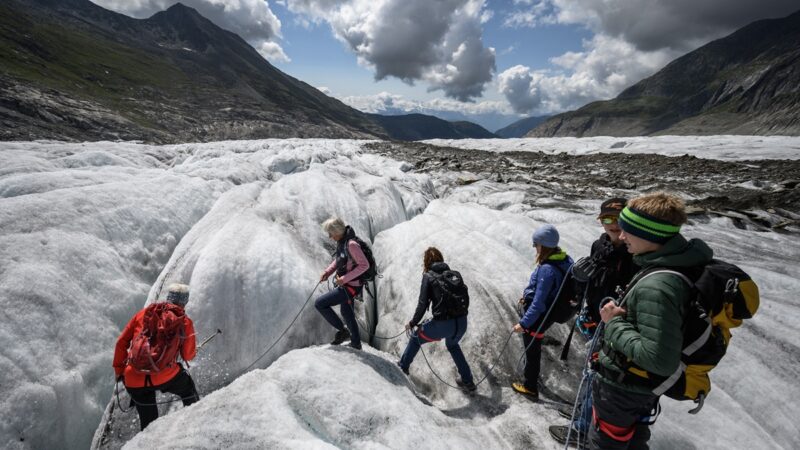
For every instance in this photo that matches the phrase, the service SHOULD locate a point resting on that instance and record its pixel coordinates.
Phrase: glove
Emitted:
(583, 270)
(520, 307)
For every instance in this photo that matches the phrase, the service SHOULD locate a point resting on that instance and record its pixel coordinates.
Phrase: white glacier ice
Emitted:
(724, 147)
(91, 232)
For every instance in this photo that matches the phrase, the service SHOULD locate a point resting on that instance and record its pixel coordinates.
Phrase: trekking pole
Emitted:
(208, 339)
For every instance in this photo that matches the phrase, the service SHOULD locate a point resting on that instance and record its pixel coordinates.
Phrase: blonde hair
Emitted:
(333, 226)
(662, 206)
(432, 255)
(545, 253)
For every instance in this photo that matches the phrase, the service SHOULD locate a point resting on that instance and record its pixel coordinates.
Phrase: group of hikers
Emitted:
(642, 328)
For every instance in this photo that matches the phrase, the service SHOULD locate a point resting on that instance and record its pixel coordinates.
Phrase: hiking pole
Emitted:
(208, 339)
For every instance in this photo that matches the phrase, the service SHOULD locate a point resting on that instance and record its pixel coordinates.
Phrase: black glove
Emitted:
(584, 269)
(521, 307)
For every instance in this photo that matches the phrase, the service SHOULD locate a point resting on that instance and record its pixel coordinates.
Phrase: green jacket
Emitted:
(650, 333)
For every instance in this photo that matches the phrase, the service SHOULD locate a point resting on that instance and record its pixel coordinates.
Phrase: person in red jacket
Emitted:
(173, 378)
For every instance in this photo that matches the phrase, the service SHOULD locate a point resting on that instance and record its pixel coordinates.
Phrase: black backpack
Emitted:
(565, 305)
(453, 293)
(372, 272)
(724, 296)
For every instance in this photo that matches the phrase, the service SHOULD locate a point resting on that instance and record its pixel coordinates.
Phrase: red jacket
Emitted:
(134, 378)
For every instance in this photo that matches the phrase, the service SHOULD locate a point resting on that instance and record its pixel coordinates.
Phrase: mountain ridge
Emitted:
(521, 127)
(77, 71)
(745, 83)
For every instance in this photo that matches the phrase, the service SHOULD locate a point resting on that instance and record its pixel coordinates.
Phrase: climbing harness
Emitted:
(538, 332)
(485, 376)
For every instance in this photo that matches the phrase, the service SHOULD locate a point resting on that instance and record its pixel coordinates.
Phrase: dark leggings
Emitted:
(145, 397)
(620, 411)
(533, 361)
(341, 297)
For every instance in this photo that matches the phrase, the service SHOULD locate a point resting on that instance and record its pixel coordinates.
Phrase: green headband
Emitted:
(647, 227)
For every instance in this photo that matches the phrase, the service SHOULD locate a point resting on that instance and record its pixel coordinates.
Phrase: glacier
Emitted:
(91, 232)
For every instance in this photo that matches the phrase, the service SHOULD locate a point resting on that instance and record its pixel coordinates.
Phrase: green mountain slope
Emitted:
(745, 83)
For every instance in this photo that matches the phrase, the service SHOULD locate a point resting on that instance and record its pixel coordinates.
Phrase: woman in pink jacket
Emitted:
(349, 263)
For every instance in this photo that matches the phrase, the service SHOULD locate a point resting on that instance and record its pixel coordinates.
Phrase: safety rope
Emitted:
(544, 319)
(485, 376)
(284, 331)
(361, 327)
(584, 389)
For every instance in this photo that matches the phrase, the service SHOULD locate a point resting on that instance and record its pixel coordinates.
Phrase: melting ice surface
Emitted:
(89, 233)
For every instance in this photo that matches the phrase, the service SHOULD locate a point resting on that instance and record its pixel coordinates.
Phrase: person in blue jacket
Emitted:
(552, 265)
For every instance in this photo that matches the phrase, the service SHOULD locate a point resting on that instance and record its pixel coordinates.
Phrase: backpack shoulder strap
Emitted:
(673, 272)
(647, 273)
(692, 347)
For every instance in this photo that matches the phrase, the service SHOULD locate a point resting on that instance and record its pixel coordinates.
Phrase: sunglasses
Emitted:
(608, 220)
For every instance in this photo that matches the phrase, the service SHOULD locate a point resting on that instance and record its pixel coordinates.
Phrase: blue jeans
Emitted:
(339, 296)
(584, 413)
(451, 330)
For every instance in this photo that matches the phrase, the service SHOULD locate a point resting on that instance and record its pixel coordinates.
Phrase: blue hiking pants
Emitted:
(584, 414)
(451, 330)
(339, 296)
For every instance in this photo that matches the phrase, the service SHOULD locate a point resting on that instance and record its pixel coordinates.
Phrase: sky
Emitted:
(489, 61)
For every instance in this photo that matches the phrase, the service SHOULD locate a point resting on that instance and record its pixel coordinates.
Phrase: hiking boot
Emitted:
(356, 346)
(341, 336)
(466, 387)
(405, 370)
(530, 394)
(560, 432)
(566, 412)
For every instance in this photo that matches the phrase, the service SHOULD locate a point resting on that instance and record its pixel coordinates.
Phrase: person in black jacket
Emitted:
(445, 324)
(614, 265)
(610, 265)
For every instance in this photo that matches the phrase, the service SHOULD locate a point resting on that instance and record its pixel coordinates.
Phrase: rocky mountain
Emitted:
(413, 127)
(75, 71)
(745, 83)
(521, 127)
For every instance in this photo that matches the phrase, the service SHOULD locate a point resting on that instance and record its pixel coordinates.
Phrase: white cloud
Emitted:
(438, 42)
(605, 67)
(510, 49)
(272, 52)
(253, 20)
(632, 40)
(388, 103)
(675, 24)
(489, 114)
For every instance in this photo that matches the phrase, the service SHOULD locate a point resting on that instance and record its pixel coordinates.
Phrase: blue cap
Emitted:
(546, 236)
